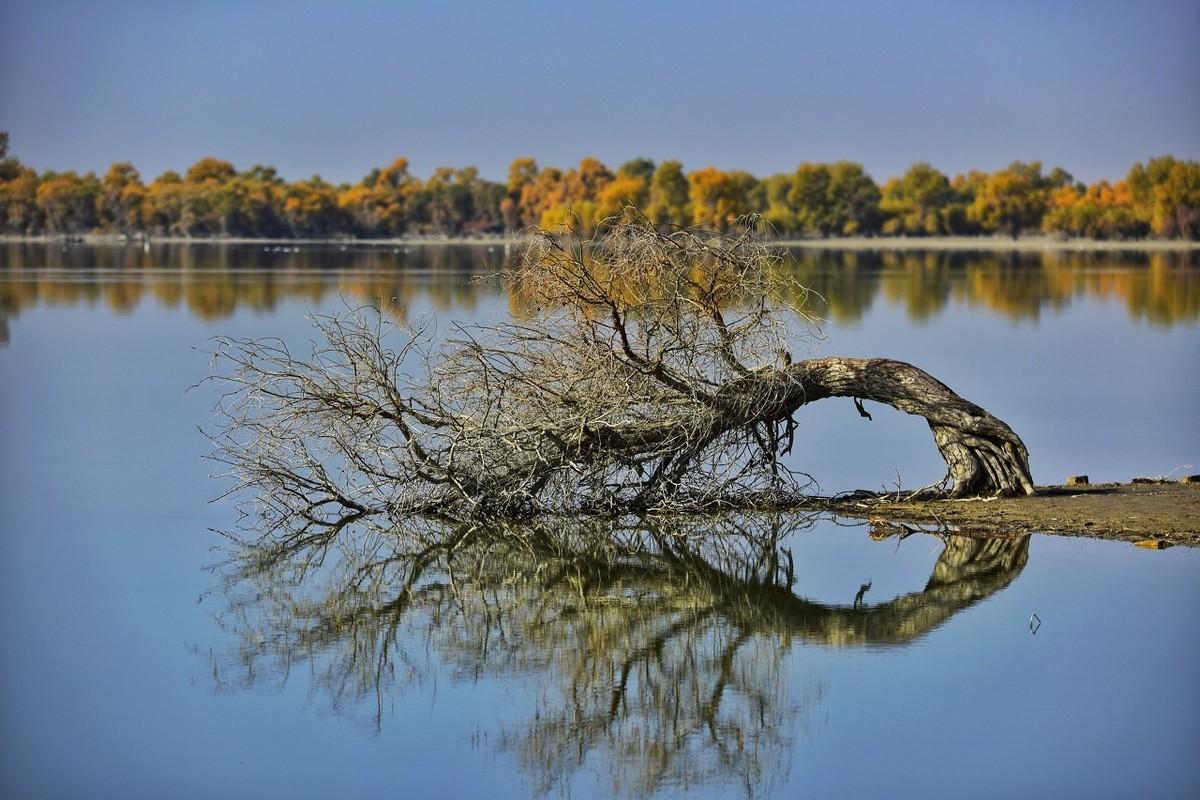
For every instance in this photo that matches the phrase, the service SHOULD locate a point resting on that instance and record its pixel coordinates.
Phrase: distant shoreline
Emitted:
(988, 243)
(882, 243)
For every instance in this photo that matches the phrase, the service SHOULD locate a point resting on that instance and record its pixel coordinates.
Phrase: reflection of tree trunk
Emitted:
(982, 453)
(967, 571)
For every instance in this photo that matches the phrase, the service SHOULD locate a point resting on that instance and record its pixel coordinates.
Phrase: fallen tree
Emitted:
(648, 370)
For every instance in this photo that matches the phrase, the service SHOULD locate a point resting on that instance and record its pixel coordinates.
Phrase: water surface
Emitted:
(130, 670)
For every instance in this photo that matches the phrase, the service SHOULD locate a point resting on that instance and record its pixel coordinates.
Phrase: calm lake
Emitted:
(137, 662)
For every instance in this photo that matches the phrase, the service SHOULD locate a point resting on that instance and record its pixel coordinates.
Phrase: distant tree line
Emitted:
(212, 198)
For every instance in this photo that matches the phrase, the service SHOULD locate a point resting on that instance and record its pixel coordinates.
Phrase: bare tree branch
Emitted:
(652, 370)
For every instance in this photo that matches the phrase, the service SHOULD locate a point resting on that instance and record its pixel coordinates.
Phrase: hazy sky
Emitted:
(338, 87)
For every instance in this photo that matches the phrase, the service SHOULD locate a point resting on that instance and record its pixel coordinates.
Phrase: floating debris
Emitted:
(1153, 544)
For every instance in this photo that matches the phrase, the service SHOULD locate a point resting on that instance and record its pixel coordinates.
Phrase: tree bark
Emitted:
(983, 455)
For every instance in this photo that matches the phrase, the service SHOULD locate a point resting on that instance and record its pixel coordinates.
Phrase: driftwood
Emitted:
(644, 370)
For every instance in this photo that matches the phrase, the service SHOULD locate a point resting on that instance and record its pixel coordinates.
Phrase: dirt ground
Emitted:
(1151, 514)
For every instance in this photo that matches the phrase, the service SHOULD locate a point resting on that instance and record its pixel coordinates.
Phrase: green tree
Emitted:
(261, 193)
(838, 198)
(1165, 195)
(854, 199)
(752, 190)
(638, 168)
(779, 211)
(916, 203)
(669, 195)
(809, 199)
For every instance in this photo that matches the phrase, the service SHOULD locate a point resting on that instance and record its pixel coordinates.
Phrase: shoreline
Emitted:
(1151, 513)
(990, 244)
(859, 243)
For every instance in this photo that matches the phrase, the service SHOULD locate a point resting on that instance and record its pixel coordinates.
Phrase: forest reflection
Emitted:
(214, 281)
(660, 648)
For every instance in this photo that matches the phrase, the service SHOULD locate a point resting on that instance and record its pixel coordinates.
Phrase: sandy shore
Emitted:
(1165, 513)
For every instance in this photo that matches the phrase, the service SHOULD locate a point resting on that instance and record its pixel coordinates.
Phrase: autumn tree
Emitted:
(586, 182)
(837, 199)
(915, 204)
(260, 194)
(1166, 194)
(209, 207)
(624, 190)
(1099, 211)
(1177, 201)
(522, 177)
(165, 200)
(67, 201)
(716, 198)
(18, 193)
(1011, 200)
(311, 208)
(19, 212)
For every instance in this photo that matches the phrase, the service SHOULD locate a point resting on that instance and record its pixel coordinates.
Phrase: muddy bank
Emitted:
(1167, 513)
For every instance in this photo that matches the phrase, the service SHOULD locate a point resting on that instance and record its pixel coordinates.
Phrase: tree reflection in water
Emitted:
(661, 646)
(214, 281)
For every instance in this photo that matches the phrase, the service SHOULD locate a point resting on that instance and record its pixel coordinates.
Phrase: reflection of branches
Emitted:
(661, 645)
(1163, 287)
(213, 281)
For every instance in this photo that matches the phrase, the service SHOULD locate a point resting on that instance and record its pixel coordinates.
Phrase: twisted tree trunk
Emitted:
(983, 455)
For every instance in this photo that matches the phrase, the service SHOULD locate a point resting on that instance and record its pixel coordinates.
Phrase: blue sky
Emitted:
(336, 88)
